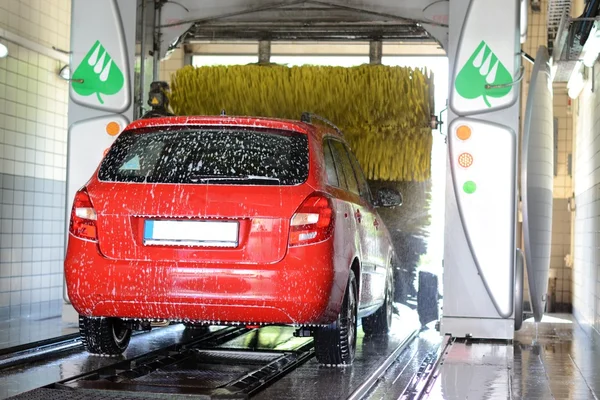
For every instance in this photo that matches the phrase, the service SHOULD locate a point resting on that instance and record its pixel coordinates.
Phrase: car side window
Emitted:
(342, 159)
(338, 165)
(332, 177)
(363, 185)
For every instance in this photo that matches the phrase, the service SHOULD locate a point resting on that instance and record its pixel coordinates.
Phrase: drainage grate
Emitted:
(204, 377)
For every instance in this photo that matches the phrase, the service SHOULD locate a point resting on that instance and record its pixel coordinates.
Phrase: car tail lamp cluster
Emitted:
(83, 217)
(313, 221)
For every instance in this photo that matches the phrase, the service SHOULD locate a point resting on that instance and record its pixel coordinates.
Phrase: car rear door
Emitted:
(364, 222)
(345, 225)
(376, 230)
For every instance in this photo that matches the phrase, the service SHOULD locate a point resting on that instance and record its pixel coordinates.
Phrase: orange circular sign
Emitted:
(113, 128)
(463, 132)
(465, 160)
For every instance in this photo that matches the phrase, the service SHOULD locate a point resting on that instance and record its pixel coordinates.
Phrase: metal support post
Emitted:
(140, 110)
(157, 34)
(375, 52)
(264, 52)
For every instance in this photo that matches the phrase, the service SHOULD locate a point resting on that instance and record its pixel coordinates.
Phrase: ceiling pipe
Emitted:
(34, 46)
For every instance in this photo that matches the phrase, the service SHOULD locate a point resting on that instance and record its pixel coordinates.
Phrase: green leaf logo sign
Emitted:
(97, 74)
(483, 68)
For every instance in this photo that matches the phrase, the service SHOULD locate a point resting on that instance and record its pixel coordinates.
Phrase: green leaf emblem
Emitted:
(483, 68)
(97, 74)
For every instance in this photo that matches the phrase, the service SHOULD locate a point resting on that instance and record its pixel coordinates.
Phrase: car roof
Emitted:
(239, 121)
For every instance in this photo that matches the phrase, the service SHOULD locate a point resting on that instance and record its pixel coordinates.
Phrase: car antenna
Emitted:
(223, 113)
(308, 117)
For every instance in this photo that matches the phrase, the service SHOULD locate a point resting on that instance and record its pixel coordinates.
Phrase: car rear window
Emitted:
(241, 156)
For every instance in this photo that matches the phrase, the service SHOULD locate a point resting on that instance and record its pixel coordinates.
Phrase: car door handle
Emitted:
(358, 216)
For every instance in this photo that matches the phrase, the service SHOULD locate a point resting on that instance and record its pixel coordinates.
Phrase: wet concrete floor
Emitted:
(559, 360)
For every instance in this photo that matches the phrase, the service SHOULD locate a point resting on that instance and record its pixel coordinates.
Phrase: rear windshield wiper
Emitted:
(222, 179)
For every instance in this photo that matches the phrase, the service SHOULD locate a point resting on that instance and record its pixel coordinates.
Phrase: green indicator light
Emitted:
(469, 187)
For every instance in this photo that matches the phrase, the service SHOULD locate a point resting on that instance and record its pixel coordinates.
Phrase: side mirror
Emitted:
(387, 197)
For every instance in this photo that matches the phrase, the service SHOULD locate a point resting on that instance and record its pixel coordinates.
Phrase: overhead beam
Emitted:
(430, 16)
(313, 32)
(355, 48)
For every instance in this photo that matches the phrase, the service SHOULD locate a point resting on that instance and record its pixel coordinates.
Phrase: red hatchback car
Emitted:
(228, 220)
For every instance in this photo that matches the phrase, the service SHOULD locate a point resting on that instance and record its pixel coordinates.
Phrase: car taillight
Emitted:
(83, 217)
(313, 221)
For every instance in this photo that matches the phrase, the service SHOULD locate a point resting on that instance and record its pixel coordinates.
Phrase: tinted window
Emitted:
(332, 178)
(342, 160)
(363, 186)
(207, 155)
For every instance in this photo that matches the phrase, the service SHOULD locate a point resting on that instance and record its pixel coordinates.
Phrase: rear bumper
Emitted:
(303, 288)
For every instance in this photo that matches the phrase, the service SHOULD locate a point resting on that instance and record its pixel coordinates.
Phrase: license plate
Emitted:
(191, 233)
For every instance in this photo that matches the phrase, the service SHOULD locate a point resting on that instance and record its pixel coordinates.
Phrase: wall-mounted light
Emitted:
(65, 72)
(591, 48)
(3, 50)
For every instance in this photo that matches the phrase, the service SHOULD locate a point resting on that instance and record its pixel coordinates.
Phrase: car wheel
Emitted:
(336, 344)
(104, 336)
(381, 321)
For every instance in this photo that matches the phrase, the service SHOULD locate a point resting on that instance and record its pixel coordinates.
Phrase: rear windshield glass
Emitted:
(207, 155)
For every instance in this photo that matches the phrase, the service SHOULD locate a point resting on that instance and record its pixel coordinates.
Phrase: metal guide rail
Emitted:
(204, 368)
(428, 372)
(23, 354)
(408, 372)
(42, 350)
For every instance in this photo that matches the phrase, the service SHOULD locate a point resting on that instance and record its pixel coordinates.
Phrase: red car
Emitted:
(224, 220)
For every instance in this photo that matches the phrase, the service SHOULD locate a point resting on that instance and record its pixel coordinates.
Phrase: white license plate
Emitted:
(191, 233)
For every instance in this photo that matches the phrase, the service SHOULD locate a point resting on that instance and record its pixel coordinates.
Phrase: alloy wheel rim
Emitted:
(119, 332)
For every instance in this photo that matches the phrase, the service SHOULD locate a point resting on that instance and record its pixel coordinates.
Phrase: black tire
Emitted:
(380, 322)
(104, 336)
(336, 344)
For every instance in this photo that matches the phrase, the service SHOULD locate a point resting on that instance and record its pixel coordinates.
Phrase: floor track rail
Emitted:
(25, 354)
(204, 368)
(42, 350)
(363, 389)
(427, 373)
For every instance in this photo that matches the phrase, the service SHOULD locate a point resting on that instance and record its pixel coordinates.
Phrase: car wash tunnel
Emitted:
(291, 199)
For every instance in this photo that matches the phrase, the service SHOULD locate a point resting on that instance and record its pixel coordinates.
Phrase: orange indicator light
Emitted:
(113, 128)
(463, 132)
